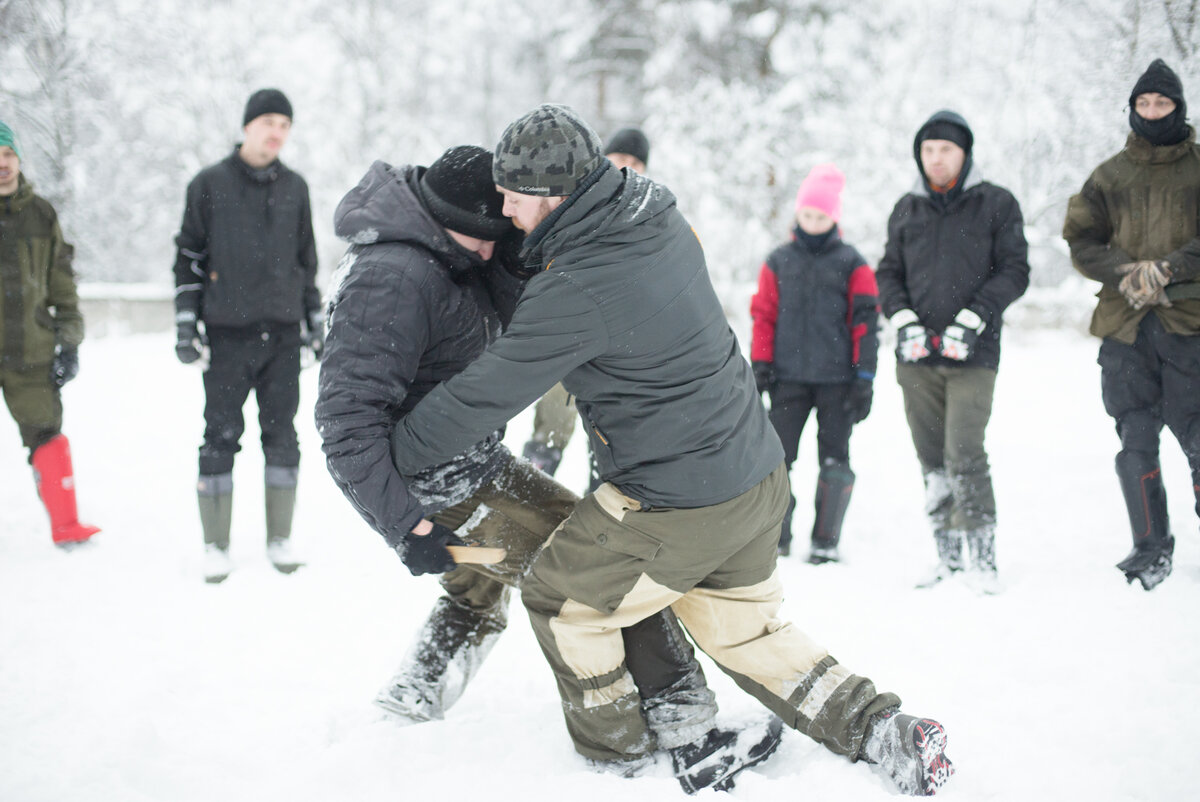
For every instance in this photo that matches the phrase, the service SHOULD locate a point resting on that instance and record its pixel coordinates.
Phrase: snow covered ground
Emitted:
(123, 677)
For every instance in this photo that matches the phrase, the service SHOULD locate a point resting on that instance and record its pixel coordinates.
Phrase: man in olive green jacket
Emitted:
(1135, 228)
(40, 332)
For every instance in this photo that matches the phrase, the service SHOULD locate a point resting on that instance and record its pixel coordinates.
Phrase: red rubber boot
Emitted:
(56, 486)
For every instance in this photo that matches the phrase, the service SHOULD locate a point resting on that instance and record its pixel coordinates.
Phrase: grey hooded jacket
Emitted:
(625, 315)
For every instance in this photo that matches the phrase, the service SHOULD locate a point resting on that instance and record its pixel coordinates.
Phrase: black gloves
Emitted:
(912, 338)
(189, 342)
(858, 398)
(66, 365)
(764, 376)
(314, 336)
(426, 554)
(959, 338)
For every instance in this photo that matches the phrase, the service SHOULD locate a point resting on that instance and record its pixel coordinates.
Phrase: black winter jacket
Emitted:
(625, 315)
(246, 250)
(816, 312)
(409, 308)
(943, 255)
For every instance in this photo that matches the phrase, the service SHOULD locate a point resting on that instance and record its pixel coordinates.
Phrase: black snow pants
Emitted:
(1154, 381)
(265, 359)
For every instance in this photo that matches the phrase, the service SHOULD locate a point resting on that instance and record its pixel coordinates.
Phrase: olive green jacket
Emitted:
(39, 306)
(1143, 203)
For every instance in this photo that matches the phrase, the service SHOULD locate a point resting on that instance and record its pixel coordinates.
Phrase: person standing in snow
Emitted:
(40, 333)
(621, 309)
(554, 414)
(956, 257)
(428, 282)
(246, 271)
(1135, 228)
(815, 337)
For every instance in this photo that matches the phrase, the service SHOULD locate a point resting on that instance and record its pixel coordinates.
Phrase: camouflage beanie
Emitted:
(547, 152)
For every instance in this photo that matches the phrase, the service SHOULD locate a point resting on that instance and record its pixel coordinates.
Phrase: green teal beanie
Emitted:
(7, 137)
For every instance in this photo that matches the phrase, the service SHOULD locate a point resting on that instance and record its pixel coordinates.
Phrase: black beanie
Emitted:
(459, 192)
(631, 141)
(266, 101)
(947, 125)
(1159, 78)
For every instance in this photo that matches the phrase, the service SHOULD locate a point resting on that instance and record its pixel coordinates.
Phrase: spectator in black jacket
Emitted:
(815, 337)
(246, 272)
(955, 259)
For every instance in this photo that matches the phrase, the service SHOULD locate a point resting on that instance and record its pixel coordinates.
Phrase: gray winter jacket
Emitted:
(409, 309)
(625, 315)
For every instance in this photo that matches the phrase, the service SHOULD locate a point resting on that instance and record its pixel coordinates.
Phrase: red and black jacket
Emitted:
(816, 312)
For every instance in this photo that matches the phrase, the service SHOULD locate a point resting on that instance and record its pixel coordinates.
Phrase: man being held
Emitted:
(246, 268)
(1135, 228)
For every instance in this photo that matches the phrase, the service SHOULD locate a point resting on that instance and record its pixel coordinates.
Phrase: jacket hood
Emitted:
(386, 207)
(620, 208)
(973, 178)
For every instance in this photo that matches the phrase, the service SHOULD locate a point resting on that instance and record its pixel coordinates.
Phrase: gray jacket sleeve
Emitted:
(554, 329)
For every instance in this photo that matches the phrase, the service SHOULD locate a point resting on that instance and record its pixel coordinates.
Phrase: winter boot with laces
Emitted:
(715, 760)
(911, 751)
(1150, 561)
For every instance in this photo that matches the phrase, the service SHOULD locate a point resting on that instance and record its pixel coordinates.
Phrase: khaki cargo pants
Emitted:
(612, 564)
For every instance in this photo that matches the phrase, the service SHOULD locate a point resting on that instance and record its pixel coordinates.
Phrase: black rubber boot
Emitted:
(835, 483)
(443, 658)
(1150, 561)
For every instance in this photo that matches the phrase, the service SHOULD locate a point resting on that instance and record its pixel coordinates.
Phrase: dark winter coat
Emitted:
(625, 314)
(246, 249)
(39, 308)
(1143, 203)
(816, 312)
(409, 309)
(947, 254)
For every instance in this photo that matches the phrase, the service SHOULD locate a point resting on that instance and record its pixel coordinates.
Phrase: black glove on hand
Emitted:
(959, 338)
(315, 337)
(912, 338)
(426, 554)
(66, 365)
(764, 376)
(858, 399)
(188, 342)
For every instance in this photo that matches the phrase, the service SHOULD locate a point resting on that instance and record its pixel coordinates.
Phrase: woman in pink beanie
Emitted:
(814, 347)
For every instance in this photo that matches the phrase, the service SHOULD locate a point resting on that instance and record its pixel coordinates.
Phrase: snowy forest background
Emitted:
(117, 103)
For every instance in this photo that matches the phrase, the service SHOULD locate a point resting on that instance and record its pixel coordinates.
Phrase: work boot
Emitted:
(1150, 561)
(911, 751)
(280, 499)
(544, 456)
(835, 482)
(214, 493)
(55, 479)
(715, 760)
(443, 658)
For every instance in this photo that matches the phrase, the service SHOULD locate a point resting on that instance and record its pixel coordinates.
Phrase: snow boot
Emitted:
(56, 485)
(544, 456)
(214, 492)
(911, 751)
(981, 542)
(716, 759)
(280, 499)
(443, 658)
(1150, 561)
(785, 533)
(835, 482)
(949, 544)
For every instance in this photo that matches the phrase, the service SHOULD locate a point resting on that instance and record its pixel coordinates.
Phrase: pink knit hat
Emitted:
(822, 189)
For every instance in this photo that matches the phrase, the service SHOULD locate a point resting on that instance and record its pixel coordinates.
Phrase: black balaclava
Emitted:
(1171, 129)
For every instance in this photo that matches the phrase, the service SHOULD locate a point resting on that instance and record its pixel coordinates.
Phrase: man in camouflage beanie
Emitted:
(547, 152)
